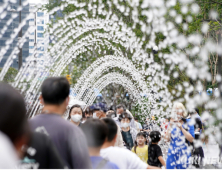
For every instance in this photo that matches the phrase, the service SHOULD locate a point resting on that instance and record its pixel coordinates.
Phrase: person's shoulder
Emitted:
(155, 146)
(116, 150)
(189, 123)
(133, 130)
(188, 120)
(45, 117)
(115, 118)
(111, 165)
(71, 127)
(36, 117)
(197, 119)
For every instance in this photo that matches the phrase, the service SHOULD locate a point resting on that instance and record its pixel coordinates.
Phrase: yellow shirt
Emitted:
(142, 153)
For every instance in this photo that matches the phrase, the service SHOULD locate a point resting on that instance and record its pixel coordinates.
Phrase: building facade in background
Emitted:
(10, 10)
(38, 39)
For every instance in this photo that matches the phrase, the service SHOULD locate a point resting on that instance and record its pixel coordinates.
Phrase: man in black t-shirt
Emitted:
(155, 156)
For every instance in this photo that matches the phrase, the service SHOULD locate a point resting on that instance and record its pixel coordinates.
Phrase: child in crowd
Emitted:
(154, 151)
(140, 148)
(96, 133)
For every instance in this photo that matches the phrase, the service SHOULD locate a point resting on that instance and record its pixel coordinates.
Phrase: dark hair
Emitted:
(95, 131)
(75, 105)
(121, 106)
(197, 110)
(112, 107)
(13, 120)
(111, 114)
(135, 143)
(167, 118)
(112, 128)
(124, 115)
(155, 136)
(55, 90)
(88, 111)
(192, 112)
(136, 118)
(99, 106)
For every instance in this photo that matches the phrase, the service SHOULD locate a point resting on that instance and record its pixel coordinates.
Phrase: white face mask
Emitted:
(76, 118)
(125, 125)
(95, 116)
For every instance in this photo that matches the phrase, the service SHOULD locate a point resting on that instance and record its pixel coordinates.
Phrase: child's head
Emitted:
(141, 138)
(155, 136)
(96, 132)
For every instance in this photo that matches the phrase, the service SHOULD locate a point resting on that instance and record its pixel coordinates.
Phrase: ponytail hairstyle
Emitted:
(135, 143)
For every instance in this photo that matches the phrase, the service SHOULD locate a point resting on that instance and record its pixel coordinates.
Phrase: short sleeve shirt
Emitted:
(68, 139)
(123, 158)
(96, 160)
(154, 151)
(142, 153)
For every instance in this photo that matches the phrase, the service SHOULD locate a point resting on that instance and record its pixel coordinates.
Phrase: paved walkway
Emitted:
(211, 153)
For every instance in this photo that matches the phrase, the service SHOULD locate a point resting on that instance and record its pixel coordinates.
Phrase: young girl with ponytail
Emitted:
(140, 148)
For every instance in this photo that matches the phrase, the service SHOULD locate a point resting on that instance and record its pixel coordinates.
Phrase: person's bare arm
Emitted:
(152, 167)
(187, 135)
(162, 161)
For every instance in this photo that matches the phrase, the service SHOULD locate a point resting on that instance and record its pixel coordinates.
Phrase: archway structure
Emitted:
(107, 79)
(103, 64)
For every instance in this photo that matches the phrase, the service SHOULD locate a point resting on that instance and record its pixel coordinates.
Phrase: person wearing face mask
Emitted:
(128, 133)
(99, 110)
(119, 109)
(76, 115)
(180, 134)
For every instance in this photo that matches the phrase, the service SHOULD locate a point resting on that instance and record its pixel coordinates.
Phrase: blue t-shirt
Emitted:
(97, 159)
(178, 152)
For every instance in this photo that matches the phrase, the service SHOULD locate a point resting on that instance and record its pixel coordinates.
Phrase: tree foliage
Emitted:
(10, 75)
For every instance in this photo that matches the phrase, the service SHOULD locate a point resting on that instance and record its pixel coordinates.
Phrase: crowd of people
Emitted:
(95, 137)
